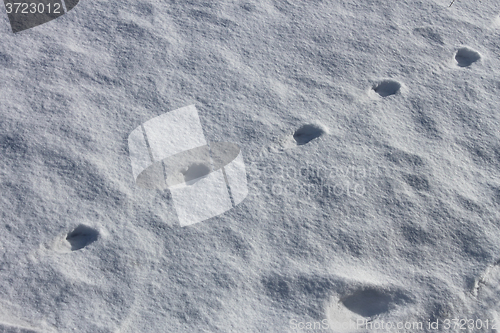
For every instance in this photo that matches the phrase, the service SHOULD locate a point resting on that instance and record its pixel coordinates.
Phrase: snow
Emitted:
(369, 131)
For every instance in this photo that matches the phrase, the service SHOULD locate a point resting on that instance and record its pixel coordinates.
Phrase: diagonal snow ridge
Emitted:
(6, 328)
(496, 22)
(429, 33)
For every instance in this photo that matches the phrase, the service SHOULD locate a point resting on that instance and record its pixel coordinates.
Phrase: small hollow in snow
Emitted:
(82, 236)
(387, 88)
(466, 57)
(195, 171)
(307, 133)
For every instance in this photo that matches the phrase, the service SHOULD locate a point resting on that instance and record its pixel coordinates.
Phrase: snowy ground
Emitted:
(384, 206)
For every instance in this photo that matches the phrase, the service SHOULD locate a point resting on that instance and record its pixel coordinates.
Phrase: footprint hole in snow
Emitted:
(466, 57)
(368, 302)
(82, 236)
(196, 171)
(387, 88)
(307, 133)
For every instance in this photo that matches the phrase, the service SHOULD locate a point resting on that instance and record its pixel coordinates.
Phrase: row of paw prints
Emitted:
(464, 57)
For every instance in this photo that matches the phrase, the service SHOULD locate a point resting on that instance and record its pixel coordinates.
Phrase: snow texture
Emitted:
(369, 131)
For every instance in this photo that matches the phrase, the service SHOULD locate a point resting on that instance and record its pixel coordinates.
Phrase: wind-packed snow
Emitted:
(370, 133)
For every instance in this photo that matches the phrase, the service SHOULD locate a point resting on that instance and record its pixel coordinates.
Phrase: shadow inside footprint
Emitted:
(82, 236)
(368, 303)
(387, 88)
(307, 133)
(466, 57)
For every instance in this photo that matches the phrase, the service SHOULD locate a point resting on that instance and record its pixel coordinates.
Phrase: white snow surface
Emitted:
(370, 133)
